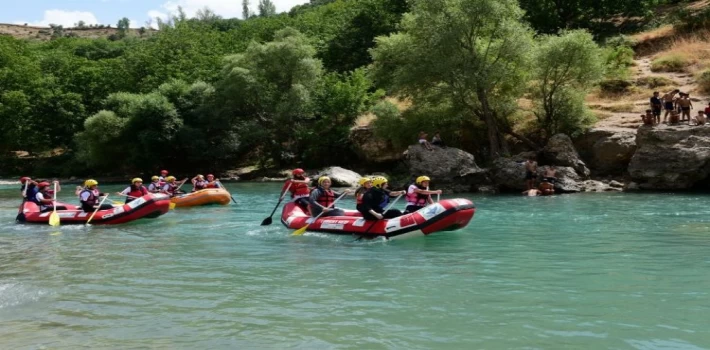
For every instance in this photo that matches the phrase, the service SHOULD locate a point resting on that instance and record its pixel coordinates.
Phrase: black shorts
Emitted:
(657, 111)
(685, 109)
(669, 106)
(529, 175)
(551, 180)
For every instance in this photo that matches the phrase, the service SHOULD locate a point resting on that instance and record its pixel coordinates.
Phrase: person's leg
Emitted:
(106, 207)
(392, 213)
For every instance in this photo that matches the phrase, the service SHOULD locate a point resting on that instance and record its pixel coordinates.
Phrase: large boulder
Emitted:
(509, 175)
(560, 151)
(675, 157)
(449, 168)
(373, 149)
(339, 177)
(607, 151)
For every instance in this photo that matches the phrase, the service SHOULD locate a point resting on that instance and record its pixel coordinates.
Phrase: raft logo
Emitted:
(333, 224)
(431, 211)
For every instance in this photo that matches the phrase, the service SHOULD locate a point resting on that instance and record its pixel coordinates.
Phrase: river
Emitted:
(592, 271)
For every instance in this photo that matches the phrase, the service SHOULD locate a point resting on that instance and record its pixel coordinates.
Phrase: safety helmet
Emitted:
(379, 181)
(43, 184)
(24, 179)
(163, 172)
(170, 178)
(364, 180)
(298, 171)
(422, 179)
(90, 182)
(136, 179)
(155, 178)
(200, 176)
(322, 179)
(210, 175)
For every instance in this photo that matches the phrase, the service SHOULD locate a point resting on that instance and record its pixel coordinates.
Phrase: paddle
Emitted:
(383, 215)
(178, 189)
(54, 217)
(224, 188)
(302, 230)
(268, 220)
(97, 209)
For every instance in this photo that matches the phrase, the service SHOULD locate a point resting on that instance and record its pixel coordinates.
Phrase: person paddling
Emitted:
(212, 182)
(418, 195)
(89, 197)
(198, 183)
(365, 185)
(170, 187)
(134, 191)
(163, 175)
(155, 184)
(322, 197)
(44, 199)
(298, 186)
(28, 188)
(376, 199)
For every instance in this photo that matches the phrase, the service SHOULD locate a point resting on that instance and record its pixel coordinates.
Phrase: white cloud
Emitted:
(64, 18)
(224, 8)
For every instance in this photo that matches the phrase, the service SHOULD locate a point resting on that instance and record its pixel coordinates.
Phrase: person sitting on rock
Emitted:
(675, 118)
(646, 120)
(700, 118)
(436, 140)
(423, 141)
(550, 175)
(530, 172)
(546, 188)
(650, 116)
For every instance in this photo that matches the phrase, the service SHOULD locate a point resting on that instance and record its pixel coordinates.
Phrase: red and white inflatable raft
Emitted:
(150, 206)
(446, 215)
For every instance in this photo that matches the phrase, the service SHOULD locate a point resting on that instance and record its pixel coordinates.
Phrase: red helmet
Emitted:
(210, 175)
(43, 184)
(163, 172)
(298, 171)
(24, 179)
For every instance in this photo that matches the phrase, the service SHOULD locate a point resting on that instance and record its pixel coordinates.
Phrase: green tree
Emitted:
(266, 8)
(474, 53)
(566, 66)
(245, 9)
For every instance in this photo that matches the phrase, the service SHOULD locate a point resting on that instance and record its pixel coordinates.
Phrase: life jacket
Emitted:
(137, 192)
(359, 194)
(92, 200)
(212, 184)
(199, 185)
(299, 190)
(155, 187)
(326, 198)
(416, 199)
(171, 187)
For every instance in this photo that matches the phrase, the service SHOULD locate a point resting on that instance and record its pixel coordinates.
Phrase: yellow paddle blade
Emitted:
(172, 206)
(300, 231)
(117, 203)
(54, 219)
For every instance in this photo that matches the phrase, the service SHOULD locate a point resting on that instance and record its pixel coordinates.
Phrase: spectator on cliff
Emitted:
(436, 140)
(530, 172)
(707, 110)
(423, 141)
(646, 120)
(669, 103)
(650, 116)
(656, 106)
(675, 118)
(700, 119)
(685, 105)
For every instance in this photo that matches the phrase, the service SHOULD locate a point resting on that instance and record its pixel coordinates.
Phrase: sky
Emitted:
(69, 12)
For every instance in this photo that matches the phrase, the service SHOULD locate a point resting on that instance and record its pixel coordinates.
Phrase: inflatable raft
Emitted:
(202, 197)
(148, 206)
(446, 215)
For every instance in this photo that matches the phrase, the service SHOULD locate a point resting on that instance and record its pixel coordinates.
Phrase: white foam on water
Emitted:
(13, 294)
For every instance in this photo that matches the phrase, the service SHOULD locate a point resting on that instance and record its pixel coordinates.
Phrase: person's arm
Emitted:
(304, 181)
(420, 191)
(367, 199)
(59, 187)
(313, 199)
(125, 192)
(286, 185)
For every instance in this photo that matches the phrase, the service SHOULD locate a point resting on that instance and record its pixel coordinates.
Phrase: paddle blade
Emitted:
(54, 219)
(300, 231)
(117, 203)
(266, 221)
(172, 206)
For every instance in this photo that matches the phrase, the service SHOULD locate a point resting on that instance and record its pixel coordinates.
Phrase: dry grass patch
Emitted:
(655, 34)
(365, 120)
(684, 54)
(601, 115)
(653, 82)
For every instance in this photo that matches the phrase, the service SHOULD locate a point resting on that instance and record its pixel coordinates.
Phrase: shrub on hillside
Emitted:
(614, 86)
(670, 63)
(685, 20)
(654, 82)
(704, 81)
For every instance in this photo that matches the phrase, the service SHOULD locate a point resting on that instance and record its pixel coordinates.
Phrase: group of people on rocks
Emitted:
(43, 193)
(372, 197)
(547, 183)
(677, 109)
(435, 141)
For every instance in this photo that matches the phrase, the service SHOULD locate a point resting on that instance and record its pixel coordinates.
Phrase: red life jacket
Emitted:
(326, 198)
(212, 184)
(417, 199)
(137, 191)
(299, 190)
(358, 199)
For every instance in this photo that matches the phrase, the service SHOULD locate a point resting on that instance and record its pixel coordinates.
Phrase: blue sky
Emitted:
(68, 12)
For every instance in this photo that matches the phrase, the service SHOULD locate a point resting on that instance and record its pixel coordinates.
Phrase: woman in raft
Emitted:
(89, 197)
(376, 199)
(298, 186)
(322, 197)
(365, 185)
(134, 191)
(418, 195)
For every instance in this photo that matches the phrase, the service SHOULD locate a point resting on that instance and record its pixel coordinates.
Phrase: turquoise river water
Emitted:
(587, 271)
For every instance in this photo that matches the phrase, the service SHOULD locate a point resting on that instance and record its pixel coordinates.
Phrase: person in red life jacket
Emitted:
(134, 191)
(322, 197)
(198, 183)
(51, 189)
(418, 195)
(212, 182)
(44, 199)
(376, 200)
(89, 197)
(171, 187)
(300, 193)
(365, 185)
(155, 185)
(28, 190)
(163, 176)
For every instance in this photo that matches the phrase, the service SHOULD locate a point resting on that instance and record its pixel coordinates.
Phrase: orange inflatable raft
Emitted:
(202, 197)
